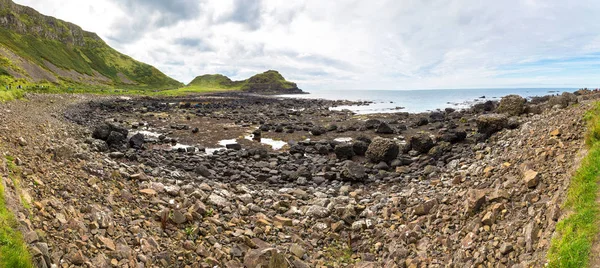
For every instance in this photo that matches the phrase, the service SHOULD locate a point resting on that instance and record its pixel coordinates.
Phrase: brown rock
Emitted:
(424, 208)
(107, 242)
(531, 178)
(489, 218)
(475, 200)
(297, 250)
(148, 191)
(265, 257)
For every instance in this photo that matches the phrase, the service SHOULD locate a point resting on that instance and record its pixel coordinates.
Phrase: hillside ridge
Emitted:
(269, 82)
(36, 48)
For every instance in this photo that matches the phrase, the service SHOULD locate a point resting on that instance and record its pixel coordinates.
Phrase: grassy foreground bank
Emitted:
(13, 250)
(576, 233)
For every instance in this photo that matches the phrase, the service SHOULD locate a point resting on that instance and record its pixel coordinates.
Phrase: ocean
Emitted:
(416, 101)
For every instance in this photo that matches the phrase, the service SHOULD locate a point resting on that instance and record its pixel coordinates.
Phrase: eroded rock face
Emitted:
(382, 150)
(512, 105)
(489, 124)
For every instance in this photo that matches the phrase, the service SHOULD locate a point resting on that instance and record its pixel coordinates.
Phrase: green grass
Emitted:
(211, 83)
(577, 232)
(13, 250)
(94, 56)
(8, 95)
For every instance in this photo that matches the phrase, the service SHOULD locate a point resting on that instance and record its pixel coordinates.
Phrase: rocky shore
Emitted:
(235, 180)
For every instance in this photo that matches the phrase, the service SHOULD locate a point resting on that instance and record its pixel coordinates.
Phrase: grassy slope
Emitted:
(575, 233)
(207, 83)
(219, 83)
(13, 250)
(95, 55)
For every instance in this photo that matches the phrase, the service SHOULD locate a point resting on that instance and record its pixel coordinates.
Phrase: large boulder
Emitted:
(512, 105)
(489, 124)
(421, 143)
(563, 100)
(344, 151)
(382, 150)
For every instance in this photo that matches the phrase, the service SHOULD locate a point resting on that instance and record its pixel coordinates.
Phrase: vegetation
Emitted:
(575, 233)
(42, 40)
(267, 81)
(13, 250)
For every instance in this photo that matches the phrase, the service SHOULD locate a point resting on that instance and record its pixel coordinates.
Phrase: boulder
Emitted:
(344, 151)
(487, 106)
(453, 136)
(297, 149)
(563, 100)
(364, 139)
(425, 207)
(101, 132)
(265, 258)
(352, 171)
(318, 131)
(421, 143)
(360, 147)
(233, 146)
(512, 105)
(382, 150)
(384, 128)
(137, 141)
(531, 178)
(422, 121)
(489, 124)
(116, 138)
(475, 200)
(372, 123)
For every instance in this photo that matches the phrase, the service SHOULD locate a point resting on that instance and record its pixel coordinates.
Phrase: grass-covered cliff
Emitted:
(269, 82)
(35, 49)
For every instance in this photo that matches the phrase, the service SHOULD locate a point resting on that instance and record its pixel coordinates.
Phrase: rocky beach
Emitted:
(243, 180)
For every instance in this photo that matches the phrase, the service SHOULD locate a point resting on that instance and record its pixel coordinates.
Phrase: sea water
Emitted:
(416, 101)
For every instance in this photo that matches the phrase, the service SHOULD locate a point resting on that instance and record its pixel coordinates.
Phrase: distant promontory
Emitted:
(269, 83)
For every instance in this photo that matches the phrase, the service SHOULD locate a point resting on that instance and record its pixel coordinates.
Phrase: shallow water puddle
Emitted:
(345, 139)
(275, 144)
(147, 133)
(225, 142)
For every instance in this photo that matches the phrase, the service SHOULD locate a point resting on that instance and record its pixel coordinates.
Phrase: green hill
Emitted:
(269, 82)
(35, 49)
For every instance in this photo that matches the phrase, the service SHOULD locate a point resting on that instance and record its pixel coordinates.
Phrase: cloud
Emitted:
(141, 16)
(353, 44)
(245, 12)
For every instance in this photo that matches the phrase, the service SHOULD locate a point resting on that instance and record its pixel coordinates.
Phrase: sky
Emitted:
(353, 44)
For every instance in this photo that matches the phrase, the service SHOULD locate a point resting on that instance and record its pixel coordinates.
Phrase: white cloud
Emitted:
(354, 44)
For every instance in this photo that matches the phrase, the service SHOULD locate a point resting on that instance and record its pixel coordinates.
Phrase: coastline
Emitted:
(379, 189)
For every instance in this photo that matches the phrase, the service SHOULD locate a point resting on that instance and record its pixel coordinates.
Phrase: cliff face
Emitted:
(26, 20)
(41, 48)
